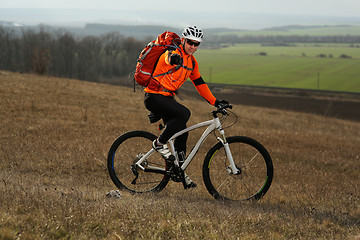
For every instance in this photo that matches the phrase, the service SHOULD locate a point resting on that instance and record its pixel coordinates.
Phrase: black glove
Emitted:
(175, 59)
(221, 103)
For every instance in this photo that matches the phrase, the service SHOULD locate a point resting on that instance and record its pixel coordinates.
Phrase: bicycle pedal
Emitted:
(191, 185)
(176, 178)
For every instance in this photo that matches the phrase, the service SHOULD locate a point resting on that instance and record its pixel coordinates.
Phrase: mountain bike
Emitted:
(235, 168)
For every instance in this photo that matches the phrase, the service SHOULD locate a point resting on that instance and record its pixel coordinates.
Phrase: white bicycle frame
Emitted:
(212, 125)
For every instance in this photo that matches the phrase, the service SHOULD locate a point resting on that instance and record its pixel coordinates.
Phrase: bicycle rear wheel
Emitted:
(124, 152)
(254, 163)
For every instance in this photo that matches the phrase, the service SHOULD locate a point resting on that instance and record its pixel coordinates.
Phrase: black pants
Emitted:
(175, 117)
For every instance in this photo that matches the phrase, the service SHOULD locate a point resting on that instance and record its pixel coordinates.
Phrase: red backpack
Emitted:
(150, 55)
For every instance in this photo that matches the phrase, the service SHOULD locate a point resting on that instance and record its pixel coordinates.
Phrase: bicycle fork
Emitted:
(234, 169)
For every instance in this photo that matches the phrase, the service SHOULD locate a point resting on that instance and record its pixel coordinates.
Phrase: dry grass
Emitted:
(55, 134)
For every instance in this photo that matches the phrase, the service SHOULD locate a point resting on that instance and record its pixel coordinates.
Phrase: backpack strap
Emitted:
(193, 66)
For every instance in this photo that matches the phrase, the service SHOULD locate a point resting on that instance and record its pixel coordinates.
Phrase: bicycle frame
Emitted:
(212, 125)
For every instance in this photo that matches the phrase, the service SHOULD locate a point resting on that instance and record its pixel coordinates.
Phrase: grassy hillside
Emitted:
(291, 67)
(55, 134)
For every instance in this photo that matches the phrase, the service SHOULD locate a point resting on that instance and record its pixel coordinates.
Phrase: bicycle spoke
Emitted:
(252, 159)
(219, 187)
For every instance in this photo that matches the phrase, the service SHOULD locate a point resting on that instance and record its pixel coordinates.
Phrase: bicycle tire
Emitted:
(124, 152)
(254, 163)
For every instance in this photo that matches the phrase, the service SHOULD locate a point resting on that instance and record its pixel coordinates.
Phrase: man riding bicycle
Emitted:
(159, 96)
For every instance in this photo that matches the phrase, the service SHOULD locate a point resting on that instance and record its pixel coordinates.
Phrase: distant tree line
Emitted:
(215, 40)
(59, 53)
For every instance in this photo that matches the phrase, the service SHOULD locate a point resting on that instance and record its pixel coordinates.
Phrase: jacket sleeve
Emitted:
(204, 90)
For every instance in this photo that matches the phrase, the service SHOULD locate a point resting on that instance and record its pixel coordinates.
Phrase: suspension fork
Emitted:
(224, 142)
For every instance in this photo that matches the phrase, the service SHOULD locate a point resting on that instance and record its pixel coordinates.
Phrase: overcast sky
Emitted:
(205, 12)
(349, 8)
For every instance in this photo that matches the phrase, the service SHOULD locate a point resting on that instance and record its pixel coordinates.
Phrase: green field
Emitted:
(297, 66)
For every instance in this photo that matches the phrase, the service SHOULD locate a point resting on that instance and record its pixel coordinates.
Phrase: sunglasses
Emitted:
(191, 43)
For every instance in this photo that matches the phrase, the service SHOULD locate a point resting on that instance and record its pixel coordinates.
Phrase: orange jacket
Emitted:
(169, 84)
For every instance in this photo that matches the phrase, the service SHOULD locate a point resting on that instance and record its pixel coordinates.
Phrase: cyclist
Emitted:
(159, 96)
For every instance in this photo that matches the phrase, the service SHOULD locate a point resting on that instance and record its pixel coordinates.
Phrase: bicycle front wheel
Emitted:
(125, 152)
(255, 170)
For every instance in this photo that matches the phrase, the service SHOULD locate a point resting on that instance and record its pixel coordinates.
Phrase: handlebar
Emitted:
(222, 109)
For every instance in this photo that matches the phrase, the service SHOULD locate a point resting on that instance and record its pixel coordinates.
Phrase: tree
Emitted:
(65, 49)
(37, 50)
(111, 54)
(88, 58)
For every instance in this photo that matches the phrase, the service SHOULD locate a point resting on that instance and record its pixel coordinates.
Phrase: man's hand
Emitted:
(221, 103)
(175, 59)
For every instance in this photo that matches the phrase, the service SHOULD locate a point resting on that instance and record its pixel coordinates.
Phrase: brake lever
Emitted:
(224, 112)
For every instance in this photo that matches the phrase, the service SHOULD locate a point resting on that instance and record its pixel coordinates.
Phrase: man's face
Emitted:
(190, 46)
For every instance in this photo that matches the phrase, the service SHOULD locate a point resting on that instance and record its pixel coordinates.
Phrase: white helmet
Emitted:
(193, 33)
